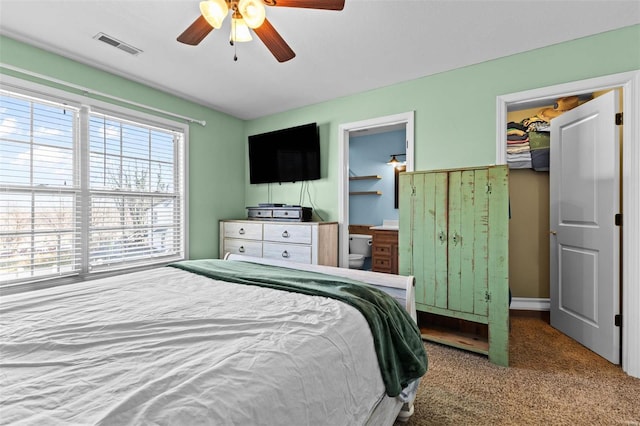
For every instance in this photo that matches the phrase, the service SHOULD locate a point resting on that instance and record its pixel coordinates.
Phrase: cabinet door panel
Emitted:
(480, 243)
(405, 239)
(421, 242)
(422, 237)
(455, 252)
(441, 229)
(466, 239)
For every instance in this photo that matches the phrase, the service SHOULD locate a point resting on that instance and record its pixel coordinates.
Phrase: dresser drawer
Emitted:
(381, 264)
(246, 247)
(249, 231)
(287, 214)
(287, 233)
(259, 213)
(382, 250)
(291, 252)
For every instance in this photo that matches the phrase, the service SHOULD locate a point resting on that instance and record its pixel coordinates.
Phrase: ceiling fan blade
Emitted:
(196, 32)
(274, 42)
(309, 4)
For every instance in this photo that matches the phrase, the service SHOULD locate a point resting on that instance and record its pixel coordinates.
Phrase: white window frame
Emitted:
(86, 105)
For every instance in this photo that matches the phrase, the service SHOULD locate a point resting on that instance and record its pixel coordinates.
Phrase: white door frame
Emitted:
(343, 160)
(630, 274)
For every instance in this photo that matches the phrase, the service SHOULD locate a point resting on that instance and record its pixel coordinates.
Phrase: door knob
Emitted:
(553, 233)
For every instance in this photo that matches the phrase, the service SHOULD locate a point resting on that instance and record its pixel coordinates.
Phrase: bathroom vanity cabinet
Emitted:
(384, 251)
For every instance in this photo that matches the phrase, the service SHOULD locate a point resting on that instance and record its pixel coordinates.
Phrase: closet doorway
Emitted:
(358, 128)
(629, 86)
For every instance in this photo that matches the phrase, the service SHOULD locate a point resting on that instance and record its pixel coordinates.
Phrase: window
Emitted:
(73, 203)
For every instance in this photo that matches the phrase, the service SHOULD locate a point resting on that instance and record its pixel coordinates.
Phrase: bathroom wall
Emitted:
(368, 155)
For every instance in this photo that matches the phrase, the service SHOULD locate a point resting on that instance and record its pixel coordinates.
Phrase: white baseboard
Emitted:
(530, 304)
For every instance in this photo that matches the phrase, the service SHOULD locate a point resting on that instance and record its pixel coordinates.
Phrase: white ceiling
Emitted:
(369, 44)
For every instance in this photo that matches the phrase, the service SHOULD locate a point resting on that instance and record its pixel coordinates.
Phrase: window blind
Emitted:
(135, 192)
(74, 204)
(39, 204)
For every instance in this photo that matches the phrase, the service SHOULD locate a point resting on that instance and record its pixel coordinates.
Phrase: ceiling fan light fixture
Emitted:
(214, 11)
(239, 31)
(253, 12)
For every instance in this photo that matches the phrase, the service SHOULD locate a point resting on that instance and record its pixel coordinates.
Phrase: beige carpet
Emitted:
(551, 380)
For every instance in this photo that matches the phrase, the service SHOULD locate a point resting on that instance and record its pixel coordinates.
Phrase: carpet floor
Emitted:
(551, 380)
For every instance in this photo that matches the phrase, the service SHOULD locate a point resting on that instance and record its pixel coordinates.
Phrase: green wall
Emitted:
(216, 189)
(454, 111)
(454, 120)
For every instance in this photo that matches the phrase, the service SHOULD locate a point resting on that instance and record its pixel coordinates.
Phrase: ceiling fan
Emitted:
(247, 14)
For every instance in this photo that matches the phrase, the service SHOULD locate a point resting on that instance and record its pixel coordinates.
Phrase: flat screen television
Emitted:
(287, 155)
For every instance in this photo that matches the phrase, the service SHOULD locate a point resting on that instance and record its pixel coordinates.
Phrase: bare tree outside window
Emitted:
(132, 195)
(133, 217)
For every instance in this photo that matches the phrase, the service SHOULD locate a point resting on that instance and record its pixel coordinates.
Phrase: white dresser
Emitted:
(303, 242)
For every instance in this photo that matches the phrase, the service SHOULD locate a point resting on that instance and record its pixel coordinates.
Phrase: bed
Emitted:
(182, 345)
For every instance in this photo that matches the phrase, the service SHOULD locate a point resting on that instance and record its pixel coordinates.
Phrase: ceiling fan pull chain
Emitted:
(234, 44)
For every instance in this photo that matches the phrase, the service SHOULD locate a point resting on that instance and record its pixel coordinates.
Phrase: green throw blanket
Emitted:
(399, 347)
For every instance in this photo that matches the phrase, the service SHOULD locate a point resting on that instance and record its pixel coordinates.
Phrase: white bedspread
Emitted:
(173, 348)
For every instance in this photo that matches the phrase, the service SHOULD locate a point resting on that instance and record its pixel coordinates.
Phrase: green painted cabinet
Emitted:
(454, 232)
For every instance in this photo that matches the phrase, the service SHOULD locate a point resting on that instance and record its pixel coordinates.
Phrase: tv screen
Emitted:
(287, 155)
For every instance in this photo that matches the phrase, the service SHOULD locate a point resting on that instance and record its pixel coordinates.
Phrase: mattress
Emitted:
(170, 347)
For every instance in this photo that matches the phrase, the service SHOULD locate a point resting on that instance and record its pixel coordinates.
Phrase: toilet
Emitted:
(359, 249)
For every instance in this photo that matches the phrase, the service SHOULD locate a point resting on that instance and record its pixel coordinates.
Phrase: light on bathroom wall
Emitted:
(394, 160)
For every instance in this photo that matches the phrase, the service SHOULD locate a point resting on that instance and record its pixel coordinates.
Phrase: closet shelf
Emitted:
(366, 193)
(365, 177)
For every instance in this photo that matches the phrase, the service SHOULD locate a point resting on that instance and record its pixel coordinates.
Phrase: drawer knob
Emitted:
(285, 254)
(241, 231)
(241, 249)
(285, 234)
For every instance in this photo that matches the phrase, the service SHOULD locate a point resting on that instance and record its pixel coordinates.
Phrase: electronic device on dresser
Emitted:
(280, 212)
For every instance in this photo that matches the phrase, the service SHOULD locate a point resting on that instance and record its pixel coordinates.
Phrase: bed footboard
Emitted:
(400, 287)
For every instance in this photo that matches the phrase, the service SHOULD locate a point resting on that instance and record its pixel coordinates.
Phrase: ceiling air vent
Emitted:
(117, 43)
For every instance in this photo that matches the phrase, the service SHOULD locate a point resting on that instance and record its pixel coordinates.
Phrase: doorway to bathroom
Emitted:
(367, 188)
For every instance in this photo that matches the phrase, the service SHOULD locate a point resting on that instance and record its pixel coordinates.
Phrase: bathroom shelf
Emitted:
(366, 193)
(365, 177)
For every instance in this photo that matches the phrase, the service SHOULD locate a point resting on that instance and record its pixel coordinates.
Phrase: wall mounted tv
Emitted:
(287, 155)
